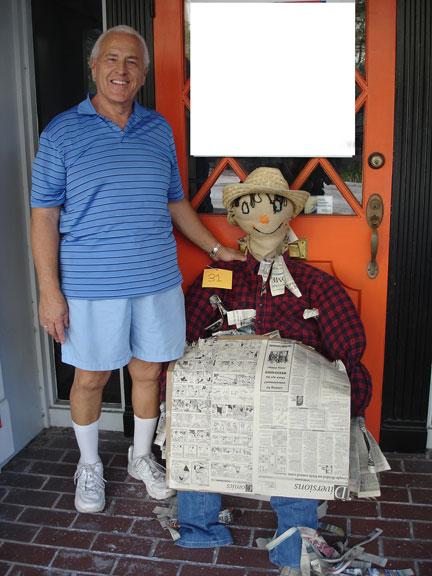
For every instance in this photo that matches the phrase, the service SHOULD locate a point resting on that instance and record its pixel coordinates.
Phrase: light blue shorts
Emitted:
(106, 334)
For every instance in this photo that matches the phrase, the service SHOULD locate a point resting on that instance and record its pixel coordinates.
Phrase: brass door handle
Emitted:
(374, 216)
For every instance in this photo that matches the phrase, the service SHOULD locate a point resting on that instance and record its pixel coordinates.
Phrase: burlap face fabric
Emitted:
(267, 180)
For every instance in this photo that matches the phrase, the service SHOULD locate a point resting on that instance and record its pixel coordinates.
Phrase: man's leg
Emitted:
(86, 402)
(86, 395)
(97, 341)
(145, 402)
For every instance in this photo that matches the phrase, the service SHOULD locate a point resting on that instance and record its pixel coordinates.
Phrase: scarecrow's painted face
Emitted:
(263, 215)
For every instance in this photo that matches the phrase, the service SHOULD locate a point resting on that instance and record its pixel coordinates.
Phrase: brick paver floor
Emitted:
(42, 534)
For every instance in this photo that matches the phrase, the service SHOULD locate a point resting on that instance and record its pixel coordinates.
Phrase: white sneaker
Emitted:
(90, 487)
(146, 468)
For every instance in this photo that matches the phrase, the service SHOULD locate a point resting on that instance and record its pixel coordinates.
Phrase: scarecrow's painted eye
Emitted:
(277, 205)
(277, 202)
(245, 207)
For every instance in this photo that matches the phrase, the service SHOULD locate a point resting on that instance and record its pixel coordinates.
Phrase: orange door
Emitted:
(339, 237)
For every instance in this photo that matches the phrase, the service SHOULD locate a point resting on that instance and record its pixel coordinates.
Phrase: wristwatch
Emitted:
(215, 250)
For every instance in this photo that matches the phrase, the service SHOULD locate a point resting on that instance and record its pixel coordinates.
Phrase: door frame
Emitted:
(169, 23)
(406, 425)
(55, 412)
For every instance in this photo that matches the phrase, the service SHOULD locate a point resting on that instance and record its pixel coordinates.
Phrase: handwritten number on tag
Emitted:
(217, 278)
(214, 278)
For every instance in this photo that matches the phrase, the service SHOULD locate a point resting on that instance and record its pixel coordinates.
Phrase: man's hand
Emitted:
(228, 254)
(188, 222)
(54, 315)
(45, 239)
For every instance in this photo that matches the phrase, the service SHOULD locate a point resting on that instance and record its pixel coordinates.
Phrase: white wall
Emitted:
(6, 439)
(18, 342)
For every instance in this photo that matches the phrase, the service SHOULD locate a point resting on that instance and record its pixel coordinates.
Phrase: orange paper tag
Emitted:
(217, 278)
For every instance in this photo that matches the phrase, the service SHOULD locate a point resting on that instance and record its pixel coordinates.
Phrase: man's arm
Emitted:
(187, 221)
(45, 239)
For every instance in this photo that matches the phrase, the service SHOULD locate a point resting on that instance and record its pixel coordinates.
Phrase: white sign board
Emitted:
(272, 79)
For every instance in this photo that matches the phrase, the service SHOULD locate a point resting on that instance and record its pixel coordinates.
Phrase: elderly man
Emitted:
(263, 206)
(106, 189)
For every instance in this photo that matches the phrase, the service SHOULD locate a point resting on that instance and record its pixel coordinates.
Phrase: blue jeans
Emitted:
(200, 528)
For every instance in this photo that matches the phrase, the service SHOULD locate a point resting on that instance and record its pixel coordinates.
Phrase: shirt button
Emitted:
(260, 304)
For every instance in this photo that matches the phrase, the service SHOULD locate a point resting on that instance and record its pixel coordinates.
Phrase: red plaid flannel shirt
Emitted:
(337, 333)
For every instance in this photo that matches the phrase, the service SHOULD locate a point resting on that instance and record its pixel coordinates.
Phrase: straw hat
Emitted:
(269, 180)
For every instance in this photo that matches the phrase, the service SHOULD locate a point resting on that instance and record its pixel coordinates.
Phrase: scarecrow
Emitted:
(303, 304)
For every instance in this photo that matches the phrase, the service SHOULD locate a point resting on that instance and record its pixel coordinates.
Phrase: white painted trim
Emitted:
(111, 418)
(104, 15)
(55, 413)
(28, 138)
(122, 394)
(7, 447)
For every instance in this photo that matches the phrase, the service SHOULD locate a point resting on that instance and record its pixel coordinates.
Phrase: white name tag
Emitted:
(277, 280)
(310, 313)
(241, 317)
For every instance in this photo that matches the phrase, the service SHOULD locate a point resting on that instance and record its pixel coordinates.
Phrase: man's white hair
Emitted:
(121, 29)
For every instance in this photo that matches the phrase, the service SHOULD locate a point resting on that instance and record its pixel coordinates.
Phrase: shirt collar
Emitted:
(253, 264)
(86, 107)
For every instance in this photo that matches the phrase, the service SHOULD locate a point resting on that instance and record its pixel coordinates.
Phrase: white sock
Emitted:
(143, 435)
(88, 440)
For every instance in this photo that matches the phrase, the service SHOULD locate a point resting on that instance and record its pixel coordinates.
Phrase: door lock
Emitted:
(374, 216)
(376, 160)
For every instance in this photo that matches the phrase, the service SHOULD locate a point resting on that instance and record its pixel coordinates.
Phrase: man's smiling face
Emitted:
(119, 69)
(263, 215)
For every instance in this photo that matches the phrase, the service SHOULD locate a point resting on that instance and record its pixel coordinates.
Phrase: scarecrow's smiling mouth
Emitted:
(266, 233)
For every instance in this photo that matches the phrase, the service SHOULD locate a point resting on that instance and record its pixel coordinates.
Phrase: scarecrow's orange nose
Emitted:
(264, 219)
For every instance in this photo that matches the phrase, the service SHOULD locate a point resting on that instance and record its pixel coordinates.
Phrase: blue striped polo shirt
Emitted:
(113, 186)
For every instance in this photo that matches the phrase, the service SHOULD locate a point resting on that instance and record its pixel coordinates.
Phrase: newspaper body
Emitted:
(252, 415)
(366, 461)
(302, 423)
